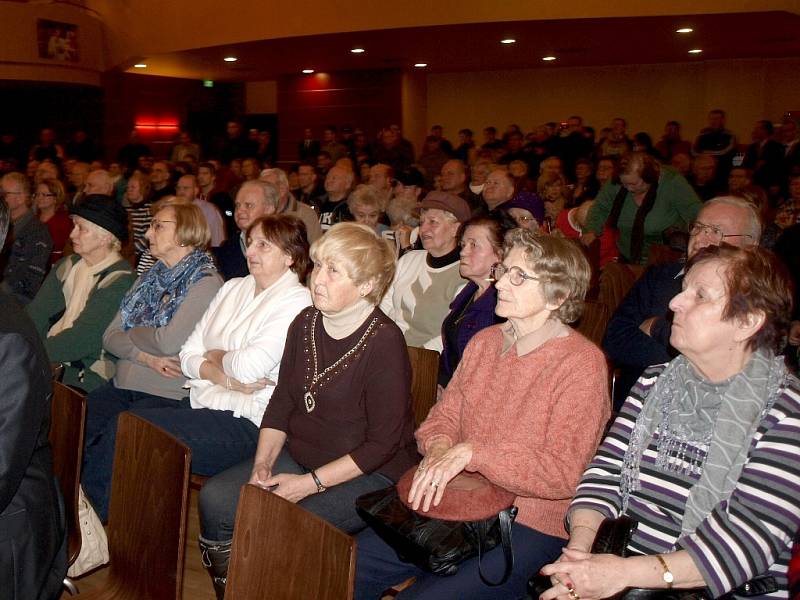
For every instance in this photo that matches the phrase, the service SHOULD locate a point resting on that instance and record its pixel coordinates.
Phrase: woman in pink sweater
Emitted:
(525, 408)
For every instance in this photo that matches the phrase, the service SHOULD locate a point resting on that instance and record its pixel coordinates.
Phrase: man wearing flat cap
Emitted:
(82, 292)
(427, 280)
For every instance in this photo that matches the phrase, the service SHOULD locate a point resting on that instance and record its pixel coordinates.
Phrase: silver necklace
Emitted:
(308, 398)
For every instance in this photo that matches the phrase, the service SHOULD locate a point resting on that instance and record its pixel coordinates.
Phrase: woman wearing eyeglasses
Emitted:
(49, 202)
(154, 320)
(525, 409)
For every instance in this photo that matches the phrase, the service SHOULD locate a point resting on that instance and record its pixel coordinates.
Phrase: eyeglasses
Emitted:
(157, 225)
(515, 275)
(713, 232)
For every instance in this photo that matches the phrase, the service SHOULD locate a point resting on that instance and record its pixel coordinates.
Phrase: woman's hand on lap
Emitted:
(292, 487)
(249, 388)
(260, 474)
(166, 366)
(435, 472)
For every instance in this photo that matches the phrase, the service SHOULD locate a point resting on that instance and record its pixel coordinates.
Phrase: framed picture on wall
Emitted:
(57, 41)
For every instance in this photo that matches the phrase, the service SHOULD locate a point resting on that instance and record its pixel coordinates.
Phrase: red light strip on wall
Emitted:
(156, 127)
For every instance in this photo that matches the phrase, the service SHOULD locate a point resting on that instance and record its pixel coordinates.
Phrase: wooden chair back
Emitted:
(616, 280)
(147, 512)
(67, 420)
(282, 552)
(424, 380)
(594, 321)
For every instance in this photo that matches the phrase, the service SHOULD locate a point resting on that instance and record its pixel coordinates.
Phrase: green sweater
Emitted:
(80, 347)
(676, 204)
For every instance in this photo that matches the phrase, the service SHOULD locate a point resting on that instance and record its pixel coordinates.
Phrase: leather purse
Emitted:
(613, 537)
(473, 517)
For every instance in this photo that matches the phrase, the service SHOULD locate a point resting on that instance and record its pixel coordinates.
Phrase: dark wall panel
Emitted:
(368, 100)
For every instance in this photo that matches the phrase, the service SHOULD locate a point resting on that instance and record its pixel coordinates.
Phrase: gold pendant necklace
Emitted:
(308, 398)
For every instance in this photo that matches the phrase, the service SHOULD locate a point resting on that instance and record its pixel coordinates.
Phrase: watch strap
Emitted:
(320, 488)
(667, 576)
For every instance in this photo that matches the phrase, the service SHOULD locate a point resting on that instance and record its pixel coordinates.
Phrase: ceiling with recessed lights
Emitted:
(489, 46)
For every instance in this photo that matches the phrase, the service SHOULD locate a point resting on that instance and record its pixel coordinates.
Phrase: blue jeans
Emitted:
(378, 568)
(216, 438)
(220, 497)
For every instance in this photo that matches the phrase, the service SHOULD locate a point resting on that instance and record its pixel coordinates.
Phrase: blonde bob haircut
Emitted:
(360, 253)
(191, 227)
(560, 266)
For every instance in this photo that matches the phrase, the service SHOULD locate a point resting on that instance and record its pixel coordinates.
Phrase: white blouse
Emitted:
(252, 331)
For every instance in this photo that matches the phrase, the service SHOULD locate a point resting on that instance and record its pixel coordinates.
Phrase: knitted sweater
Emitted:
(534, 421)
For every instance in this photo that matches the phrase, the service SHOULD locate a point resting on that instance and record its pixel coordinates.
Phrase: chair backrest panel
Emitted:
(424, 379)
(67, 420)
(282, 552)
(147, 511)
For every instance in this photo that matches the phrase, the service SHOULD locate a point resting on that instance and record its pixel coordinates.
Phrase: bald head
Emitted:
(99, 182)
(454, 176)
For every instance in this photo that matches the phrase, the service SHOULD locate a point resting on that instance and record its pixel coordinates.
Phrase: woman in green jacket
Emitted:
(82, 292)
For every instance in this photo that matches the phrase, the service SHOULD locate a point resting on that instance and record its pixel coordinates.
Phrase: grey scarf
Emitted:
(702, 427)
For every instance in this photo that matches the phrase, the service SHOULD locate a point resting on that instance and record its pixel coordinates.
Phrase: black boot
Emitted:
(215, 556)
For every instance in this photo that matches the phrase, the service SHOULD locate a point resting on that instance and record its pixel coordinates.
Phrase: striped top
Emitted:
(746, 535)
(140, 222)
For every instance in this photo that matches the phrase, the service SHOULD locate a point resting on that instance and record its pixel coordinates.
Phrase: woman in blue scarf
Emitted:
(153, 322)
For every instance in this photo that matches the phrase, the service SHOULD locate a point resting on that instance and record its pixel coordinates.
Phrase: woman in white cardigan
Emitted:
(233, 356)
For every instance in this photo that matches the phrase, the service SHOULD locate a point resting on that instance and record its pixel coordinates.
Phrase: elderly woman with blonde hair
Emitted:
(525, 409)
(367, 208)
(339, 423)
(82, 292)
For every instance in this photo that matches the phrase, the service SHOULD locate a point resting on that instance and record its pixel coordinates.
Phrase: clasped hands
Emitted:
(216, 356)
(580, 575)
(286, 485)
(440, 465)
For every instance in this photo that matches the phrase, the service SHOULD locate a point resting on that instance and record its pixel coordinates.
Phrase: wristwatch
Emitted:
(321, 488)
(667, 575)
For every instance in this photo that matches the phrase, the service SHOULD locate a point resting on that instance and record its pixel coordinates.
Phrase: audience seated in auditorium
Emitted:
(571, 223)
(153, 321)
(765, 157)
(554, 191)
(738, 179)
(287, 205)
(310, 190)
(308, 148)
(82, 292)
(497, 191)
(391, 151)
(213, 191)
(254, 200)
(381, 179)
(236, 144)
(703, 177)
(717, 141)
(367, 208)
(616, 143)
(34, 557)
(427, 280)
(184, 147)
(533, 378)
(26, 254)
(326, 440)
(131, 153)
(638, 334)
(160, 182)
(648, 200)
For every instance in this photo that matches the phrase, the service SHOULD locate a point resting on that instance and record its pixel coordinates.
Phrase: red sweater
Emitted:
(534, 421)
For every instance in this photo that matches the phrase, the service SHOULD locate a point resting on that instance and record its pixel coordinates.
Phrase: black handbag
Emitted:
(613, 537)
(434, 544)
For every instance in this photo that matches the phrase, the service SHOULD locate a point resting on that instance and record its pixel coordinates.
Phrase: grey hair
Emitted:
(283, 179)
(268, 191)
(754, 226)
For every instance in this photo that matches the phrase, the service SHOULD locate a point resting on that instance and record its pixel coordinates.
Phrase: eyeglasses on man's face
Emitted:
(515, 275)
(713, 232)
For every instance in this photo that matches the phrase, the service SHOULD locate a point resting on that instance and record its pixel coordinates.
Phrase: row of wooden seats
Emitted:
(309, 558)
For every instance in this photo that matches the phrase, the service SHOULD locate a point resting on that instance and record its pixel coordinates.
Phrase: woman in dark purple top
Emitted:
(339, 423)
(473, 308)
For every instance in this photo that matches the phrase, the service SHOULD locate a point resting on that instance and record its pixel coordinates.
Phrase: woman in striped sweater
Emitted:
(705, 454)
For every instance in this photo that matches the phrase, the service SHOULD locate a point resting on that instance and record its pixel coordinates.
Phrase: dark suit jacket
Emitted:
(230, 258)
(308, 152)
(32, 533)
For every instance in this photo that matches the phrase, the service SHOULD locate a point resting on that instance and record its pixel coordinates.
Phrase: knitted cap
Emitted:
(105, 212)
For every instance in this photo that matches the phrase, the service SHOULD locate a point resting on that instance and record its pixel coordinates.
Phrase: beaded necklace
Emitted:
(308, 398)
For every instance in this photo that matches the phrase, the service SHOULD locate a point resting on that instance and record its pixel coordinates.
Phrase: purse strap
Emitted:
(505, 520)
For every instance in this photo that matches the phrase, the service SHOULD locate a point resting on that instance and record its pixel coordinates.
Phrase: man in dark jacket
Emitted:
(33, 559)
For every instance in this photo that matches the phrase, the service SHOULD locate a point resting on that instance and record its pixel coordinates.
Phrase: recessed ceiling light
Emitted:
(695, 51)
(358, 50)
(684, 30)
(548, 58)
(308, 71)
(508, 41)
(230, 59)
(420, 65)
(140, 66)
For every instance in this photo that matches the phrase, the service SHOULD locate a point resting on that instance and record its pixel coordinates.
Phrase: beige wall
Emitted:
(19, 52)
(646, 95)
(414, 104)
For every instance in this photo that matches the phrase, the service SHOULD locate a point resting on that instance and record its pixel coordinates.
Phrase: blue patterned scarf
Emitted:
(162, 289)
